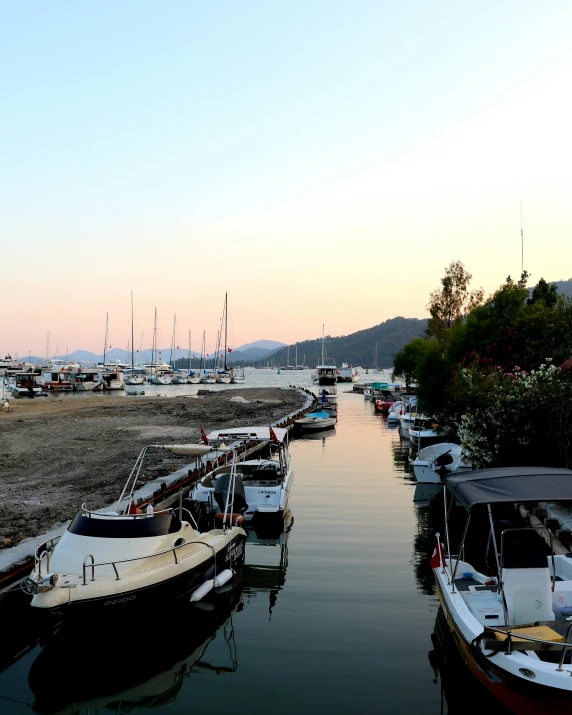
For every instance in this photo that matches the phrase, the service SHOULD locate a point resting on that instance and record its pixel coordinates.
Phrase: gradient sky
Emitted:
(321, 161)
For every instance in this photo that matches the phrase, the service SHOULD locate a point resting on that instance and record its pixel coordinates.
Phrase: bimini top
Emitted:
(247, 434)
(510, 484)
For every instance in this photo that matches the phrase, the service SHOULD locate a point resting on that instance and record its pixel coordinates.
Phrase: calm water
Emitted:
(336, 615)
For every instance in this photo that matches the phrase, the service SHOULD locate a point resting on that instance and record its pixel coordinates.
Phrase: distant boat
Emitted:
(326, 372)
(347, 373)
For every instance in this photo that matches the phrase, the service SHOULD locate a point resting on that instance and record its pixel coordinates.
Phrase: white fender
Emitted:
(223, 577)
(202, 590)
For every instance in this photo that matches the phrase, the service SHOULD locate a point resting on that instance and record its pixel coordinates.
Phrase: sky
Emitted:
(323, 162)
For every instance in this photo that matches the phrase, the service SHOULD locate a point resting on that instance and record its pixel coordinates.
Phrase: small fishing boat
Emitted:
(267, 482)
(238, 376)
(315, 421)
(395, 411)
(128, 557)
(329, 394)
(423, 431)
(384, 404)
(512, 624)
(23, 384)
(433, 463)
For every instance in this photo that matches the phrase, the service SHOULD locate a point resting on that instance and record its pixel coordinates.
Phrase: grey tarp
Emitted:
(510, 484)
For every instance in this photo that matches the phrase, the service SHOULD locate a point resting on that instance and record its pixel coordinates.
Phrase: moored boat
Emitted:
(127, 557)
(433, 463)
(511, 625)
(315, 421)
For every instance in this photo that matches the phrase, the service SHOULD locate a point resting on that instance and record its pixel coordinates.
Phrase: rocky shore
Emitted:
(56, 453)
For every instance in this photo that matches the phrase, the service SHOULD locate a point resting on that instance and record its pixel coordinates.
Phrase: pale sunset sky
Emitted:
(322, 161)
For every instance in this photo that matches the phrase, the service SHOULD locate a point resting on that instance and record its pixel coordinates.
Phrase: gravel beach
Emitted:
(58, 452)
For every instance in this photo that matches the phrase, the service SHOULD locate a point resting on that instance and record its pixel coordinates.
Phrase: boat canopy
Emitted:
(247, 434)
(510, 484)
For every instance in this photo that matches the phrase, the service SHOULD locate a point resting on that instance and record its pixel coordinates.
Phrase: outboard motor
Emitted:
(222, 487)
(441, 462)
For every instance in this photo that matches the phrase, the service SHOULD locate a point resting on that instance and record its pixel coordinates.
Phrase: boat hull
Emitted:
(148, 595)
(524, 697)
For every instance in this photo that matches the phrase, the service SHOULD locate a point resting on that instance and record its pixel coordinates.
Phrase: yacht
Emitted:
(267, 481)
(23, 384)
(347, 373)
(326, 371)
(126, 556)
(507, 599)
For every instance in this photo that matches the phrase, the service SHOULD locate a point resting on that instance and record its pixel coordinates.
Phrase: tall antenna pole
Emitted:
(132, 336)
(521, 241)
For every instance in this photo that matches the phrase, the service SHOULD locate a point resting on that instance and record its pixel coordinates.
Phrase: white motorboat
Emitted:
(111, 379)
(346, 373)
(124, 557)
(409, 412)
(23, 384)
(436, 461)
(267, 482)
(224, 377)
(315, 421)
(423, 430)
(180, 377)
(513, 627)
(208, 378)
(329, 394)
(395, 412)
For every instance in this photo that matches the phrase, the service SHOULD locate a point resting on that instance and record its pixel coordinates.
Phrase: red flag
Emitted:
(132, 508)
(204, 436)
(229, 350)
(273, 436)
(436, 557)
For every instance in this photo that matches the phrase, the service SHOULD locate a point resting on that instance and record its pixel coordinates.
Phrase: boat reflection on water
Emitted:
(126, 665)
(123, 665)
(266, 563)
(460, 690)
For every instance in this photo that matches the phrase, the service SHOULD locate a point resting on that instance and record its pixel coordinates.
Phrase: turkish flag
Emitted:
(132, 508)
(273, 436)
(229, 350)
(436, 557)
(204, 436)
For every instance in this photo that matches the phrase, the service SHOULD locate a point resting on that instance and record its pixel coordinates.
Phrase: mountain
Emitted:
(264, 344)
(358, 348)
(564, 287)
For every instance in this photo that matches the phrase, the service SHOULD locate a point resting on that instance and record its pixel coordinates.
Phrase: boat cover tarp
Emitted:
(510, 484)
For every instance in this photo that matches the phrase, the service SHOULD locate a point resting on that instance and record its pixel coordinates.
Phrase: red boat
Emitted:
(383, 405)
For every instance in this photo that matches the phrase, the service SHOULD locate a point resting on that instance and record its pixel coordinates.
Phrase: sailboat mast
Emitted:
(189, 353)
(132, 337)
(296, 358)
(225, 327)
(323, 337)
(203, 353)
(173, 341)
(154, 360)
(105, 346)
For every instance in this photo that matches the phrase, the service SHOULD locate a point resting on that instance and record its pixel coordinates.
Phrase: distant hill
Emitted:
(264, 344)
(564, 287)
(358, 348)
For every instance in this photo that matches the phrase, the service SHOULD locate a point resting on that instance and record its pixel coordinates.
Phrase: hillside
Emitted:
(358, 348)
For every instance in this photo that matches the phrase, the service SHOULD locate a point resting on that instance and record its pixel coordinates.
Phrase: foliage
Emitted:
(516, 418)
(449, 304)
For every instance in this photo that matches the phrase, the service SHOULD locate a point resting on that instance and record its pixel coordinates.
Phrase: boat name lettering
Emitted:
(119, 600)
(261, 491)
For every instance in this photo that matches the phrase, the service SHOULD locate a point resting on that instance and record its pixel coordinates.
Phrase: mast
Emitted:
(288, 356)
(296, 358)
(105, 346)
(47, 347)
(132, 337)
(521, 241)
(173, 341)
(225, 328)
(323, 336)
(203, 353)
(154, 350)
(189, 353)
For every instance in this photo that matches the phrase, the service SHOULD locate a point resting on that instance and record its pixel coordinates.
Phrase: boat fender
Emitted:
(223, 577)
(202, 590)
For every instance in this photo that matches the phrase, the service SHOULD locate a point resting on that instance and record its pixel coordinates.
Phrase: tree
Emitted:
(451, 303)
(545, 292)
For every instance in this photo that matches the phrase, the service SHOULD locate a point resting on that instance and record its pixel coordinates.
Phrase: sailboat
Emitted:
(193, 378)
(326, 372)
(288, 366)
(133, 377)
(207, 378)
(110, 375)
(180, 377)
(224, 376)
(158, 376)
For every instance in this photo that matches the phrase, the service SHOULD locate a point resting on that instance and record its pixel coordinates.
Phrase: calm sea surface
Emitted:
(336, 616)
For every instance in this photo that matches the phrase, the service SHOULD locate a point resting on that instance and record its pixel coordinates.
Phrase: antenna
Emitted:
(521, 241)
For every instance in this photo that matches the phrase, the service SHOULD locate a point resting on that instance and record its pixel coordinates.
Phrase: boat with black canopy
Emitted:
(510, 614)
(130, 556)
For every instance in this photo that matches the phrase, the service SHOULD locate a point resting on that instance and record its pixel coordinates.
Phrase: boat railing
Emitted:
(173, 549)
(546, 644)
(44, 552)
(127, 515)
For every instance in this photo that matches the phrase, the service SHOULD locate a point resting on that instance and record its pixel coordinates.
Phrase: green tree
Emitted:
(450, 304)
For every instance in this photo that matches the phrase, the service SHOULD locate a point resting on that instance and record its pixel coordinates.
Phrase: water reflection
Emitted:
(127, 665)
(460, 690)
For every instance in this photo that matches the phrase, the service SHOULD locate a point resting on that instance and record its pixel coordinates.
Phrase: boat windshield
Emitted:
(105, 526)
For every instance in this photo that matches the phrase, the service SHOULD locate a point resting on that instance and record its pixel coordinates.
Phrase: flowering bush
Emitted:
(515, 418)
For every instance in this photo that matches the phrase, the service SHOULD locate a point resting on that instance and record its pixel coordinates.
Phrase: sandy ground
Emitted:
(58, 452)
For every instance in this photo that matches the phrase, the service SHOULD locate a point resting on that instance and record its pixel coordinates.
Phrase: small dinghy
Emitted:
(129, 557)
(433, 463)
(315, 421)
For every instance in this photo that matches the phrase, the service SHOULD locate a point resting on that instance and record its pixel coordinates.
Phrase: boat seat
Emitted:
(528, 595)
